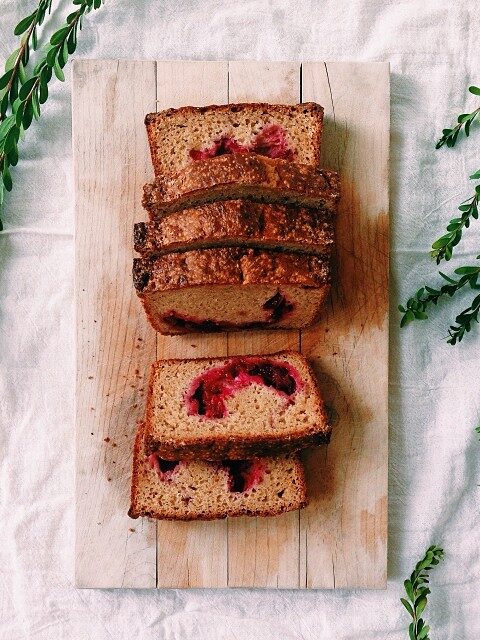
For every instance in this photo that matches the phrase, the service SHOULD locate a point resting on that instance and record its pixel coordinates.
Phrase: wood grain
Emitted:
(114, 345)
(263, 552)
(340, 540)
(344, 530)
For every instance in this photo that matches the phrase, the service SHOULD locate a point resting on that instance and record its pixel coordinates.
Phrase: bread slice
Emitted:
(200, 490)
(238, 223)
(243, 175)
(179, 136)
(227, 289)
(237, 407)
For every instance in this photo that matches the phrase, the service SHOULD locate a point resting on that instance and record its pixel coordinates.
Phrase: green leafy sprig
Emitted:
(416, 307)
(417, 591)
(30, 93)
(442, 249)
(465, 120)
(15, 74)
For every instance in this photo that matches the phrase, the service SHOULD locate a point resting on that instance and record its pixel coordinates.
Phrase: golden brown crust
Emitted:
(137, 452)
(135, 511)
(247, 176)
(237, 223)
(228, 266)
(183, 114)
(234, 447)
(313, 107)
(223, 448)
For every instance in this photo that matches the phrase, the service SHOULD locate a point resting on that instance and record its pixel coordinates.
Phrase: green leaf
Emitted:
(409, 589)
(466, 270)
(63, 55)
(7, 179)
(447, 278)
(14, 89)
(23, 25)
(463, 117)
(36, 106)
(441, 242)
(43, 93)
(51, 56)
(411, 631)
(27, 116)
(407, 606)
(420, 605)
(407, 318)
(97, 4)
(21, 73)
(34, 40)
(475, 176)
(13, 157)
(5, 126)
(5, 101)
(11, 60)
(72, 41)
(45, 76)
(58, 71)
(10, 140)
(72, 17)
(474, 90)
(26, 88)
(4, 80)
(420, 315)
(423, 633)
(59, 36)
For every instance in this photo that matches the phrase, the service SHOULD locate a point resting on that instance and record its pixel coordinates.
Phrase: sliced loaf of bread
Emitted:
(243, 175)
(199, 490)
(227, 289)
(237, 407)
(238, 223)
(178, 137)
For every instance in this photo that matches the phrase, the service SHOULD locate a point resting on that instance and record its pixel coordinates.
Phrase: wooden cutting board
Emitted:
(340, 540)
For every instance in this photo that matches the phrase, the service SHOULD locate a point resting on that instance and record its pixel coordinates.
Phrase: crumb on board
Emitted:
(109, 479)
(90, 377)
(107, 439)
(132, 529)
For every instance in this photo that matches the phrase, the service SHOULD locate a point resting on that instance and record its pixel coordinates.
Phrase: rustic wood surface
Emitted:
(340, 540)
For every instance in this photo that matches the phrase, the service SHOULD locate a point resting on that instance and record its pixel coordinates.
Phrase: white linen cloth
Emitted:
(434, 388)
